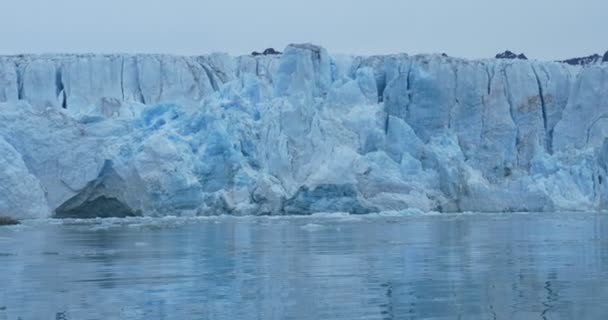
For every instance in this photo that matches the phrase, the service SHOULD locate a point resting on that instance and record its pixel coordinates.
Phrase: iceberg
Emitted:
(298, 132)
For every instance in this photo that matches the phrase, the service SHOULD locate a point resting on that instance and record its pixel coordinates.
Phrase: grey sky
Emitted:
(543, 29)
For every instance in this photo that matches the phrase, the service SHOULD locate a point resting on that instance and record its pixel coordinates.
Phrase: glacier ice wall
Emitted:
(298, 133)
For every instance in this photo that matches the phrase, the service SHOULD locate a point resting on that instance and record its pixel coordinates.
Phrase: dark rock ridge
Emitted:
(511, 55)
(269, 51)
(605, 59)
(594, 58)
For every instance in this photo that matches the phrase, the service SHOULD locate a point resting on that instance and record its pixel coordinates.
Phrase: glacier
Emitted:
(298, 133)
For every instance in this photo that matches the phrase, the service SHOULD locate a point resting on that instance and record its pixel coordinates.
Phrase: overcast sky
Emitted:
(543, 29)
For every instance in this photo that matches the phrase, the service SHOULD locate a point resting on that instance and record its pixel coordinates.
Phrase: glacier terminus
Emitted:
(298, 132)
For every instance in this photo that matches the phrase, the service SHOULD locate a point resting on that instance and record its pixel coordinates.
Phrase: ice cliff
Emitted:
(297, 133)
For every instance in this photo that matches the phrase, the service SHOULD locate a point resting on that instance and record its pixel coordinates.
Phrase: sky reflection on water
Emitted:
(500, 266)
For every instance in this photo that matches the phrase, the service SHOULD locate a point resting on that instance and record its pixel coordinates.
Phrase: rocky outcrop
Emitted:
(269, 51)
(8, 221)
(594, 58)
(510, 55)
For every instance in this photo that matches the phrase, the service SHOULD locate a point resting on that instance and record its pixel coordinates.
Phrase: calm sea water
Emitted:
(471, 266)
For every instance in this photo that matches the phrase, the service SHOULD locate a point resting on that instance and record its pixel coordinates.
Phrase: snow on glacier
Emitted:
(298, 133)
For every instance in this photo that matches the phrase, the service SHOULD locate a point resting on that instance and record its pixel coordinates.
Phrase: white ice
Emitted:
(299, 133)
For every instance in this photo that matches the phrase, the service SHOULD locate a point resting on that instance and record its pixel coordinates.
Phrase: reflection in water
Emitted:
(510, 266)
